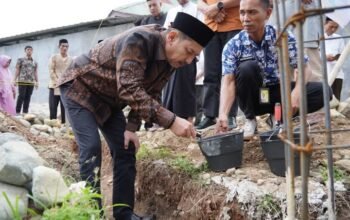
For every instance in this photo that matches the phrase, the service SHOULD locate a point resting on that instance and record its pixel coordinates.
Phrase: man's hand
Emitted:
(211, 11)
(221, 124)
(36, 85)
(220, 17)
(183, 128)
(14, 93)
(15, 83)
(331, 58)
(295, 100)
(131, 136)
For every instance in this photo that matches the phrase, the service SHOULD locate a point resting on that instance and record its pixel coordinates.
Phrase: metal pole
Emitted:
(331, 197)
(289, 152)
(305, 157)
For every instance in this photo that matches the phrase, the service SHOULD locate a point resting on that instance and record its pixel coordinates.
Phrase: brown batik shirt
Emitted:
(127, 69)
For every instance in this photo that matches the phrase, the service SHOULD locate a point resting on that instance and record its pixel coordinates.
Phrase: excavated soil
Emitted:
(161, 189)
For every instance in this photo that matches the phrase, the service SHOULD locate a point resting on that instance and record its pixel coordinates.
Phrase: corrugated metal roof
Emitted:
(107, 22)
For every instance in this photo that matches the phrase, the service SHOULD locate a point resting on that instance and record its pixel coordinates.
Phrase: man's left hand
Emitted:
(131, 136)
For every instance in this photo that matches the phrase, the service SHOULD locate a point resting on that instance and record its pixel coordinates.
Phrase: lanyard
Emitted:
(265, 50)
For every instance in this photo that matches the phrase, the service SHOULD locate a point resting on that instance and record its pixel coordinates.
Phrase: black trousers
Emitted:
(179, 94)
(86, 132)
(24, 94)
(337, 87)
(54, 100)
(199, 104)
(249, 81)
(213, 74)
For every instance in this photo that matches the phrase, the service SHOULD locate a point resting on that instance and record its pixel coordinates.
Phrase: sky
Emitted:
(22, 16)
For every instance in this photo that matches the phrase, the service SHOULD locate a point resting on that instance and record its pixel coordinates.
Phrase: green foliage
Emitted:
(185, 165)
(14, 207)
(158, 153)
(76, 206)
(267, 204)
(339, 174)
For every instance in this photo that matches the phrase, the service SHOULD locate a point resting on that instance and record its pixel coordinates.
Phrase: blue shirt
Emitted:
(241, 47)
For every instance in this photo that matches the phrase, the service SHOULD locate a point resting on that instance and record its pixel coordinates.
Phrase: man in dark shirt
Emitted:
(127, 69)
(157, 16)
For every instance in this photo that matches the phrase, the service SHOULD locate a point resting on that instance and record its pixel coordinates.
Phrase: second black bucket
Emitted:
(223, 151)
(273, 149)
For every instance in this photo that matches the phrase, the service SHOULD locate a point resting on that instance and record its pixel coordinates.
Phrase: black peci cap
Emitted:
(193, 28)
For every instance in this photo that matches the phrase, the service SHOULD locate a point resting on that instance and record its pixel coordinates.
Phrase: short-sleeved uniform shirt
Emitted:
(241, 48)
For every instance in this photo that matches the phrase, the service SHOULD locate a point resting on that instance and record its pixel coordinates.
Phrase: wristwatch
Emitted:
(220, 5)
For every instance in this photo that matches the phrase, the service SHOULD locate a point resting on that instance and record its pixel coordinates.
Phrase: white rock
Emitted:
(334, 103)
(217, 179)
(4, 137)
(48, 186)
(336, 114)
(44, 134)
(345, 164)
(25, 123)
(17, 161)
(17, 196)
(230, 171)
(29, 117)
(43, 128)
(192, 146)
(34, 131)
(344, 108)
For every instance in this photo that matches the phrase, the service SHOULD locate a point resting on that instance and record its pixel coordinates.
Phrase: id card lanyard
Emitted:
(264, 91)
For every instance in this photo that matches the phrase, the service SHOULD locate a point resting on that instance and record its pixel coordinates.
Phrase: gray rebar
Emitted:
(330, 187)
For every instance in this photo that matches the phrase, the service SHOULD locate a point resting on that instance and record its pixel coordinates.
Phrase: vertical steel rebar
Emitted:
(331, 197)
(305, 157)
(289, 152)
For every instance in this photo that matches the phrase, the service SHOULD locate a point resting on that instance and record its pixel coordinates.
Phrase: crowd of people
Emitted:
(26, 79)
(227, 47)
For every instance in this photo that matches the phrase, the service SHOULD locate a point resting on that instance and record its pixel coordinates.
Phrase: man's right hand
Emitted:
(183, 128)
(221, 124)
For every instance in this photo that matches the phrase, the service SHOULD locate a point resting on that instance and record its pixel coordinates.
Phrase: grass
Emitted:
(14, 207)
(76, 206)
(339, 174)
(154, 154)
(178, 162)
(268, 204)
(186, 166)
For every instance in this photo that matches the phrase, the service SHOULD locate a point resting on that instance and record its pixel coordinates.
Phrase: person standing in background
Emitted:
(57, 65)
(156, 15)
(199, 89)
(334, 48)
(223, 18)
(7, 89)
(179, 95)
(26, 78)
(311, 33)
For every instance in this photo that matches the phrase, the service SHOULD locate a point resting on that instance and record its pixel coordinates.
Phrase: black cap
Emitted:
(193, 28)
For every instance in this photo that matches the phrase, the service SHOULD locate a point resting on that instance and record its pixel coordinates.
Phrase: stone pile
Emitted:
(24, 172)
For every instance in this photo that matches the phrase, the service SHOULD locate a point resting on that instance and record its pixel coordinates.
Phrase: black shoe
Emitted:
(232, 123)
(149, 217)
(206, 122)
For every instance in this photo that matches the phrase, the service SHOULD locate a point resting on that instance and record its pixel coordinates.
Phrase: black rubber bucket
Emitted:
(223, 151)
(273, 149)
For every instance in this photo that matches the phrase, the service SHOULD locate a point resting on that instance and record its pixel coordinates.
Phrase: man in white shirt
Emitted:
(334, 48)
